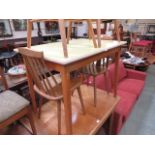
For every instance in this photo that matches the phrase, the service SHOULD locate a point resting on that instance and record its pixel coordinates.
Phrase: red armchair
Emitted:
(130, 86)
(133, 74)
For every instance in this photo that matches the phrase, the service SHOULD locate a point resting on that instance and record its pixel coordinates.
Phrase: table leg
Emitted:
(111, 121)
(67, 101)
(117, 56)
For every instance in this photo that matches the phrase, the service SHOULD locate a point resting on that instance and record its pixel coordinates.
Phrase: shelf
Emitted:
(86, 124)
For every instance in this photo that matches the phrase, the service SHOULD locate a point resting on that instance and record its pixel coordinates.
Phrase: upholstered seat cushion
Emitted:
(127, 99)
(123, 109)
(126, 102)
(147, 41)
(134, 74)
(143, 43)
(140, 44)
(133, 86)
(10, 104)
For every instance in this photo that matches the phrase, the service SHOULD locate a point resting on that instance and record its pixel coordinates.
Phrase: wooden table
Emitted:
(80, 53)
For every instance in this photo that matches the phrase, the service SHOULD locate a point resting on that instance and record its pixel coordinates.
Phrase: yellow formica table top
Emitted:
(77, 49)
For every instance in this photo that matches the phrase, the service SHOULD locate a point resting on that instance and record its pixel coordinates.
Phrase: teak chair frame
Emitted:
(43, 78)
(61, 23)
(24, 112)
(100, 66)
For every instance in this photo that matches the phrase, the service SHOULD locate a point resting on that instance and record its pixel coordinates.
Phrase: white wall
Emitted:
(82, 29)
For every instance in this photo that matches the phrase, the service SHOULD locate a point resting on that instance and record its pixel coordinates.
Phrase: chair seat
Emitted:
(10, 104)
(133, 86)
(126, 103)
(123, 109)
(142, 43)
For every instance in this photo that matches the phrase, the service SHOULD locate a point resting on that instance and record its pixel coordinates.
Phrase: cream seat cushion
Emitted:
(10, 104)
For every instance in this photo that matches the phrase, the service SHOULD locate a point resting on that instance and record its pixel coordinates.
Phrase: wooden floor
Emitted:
(90, 123)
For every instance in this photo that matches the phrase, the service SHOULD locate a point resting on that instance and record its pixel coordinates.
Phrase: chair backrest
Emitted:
(93, 67)
(38, 71)
(3, 79)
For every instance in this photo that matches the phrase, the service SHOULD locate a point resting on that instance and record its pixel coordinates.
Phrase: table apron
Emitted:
(81, 63)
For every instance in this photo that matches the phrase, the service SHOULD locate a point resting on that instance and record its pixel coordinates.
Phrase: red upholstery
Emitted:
(147, 41)
(142, 43)
(127, 100)
(130, 85)
(133, 74)
(122, 71)
(100, 83)
(123, 109)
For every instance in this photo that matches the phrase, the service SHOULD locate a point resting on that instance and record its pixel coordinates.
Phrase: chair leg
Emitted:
(87, 78)
(40, 105)
(81, 100)
(94, 91)
(106, 82)
(30, 117)
(59, 116)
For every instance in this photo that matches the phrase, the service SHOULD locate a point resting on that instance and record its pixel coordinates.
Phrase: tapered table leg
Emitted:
(67, 100)
(117, 56)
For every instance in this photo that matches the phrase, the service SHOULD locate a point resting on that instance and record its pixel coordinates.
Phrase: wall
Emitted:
(23, 34)
(142, 25)
(20, 34)
(82, 29)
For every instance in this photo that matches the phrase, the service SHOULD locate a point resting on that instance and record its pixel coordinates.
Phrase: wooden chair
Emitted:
(18, 82)
(13, 106)
(99, 66)
(94, 69)
(45, 84)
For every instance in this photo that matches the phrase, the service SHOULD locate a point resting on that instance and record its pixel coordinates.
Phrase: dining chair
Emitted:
(97, 67)
(45, 83)
(94, 69)
(13, 106)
